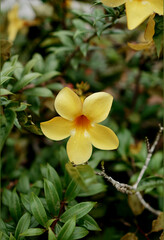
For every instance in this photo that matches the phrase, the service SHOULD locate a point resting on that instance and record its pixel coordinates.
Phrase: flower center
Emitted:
(82, 122)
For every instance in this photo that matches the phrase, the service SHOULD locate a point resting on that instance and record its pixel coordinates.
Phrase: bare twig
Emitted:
(149, 155)
(146, 205)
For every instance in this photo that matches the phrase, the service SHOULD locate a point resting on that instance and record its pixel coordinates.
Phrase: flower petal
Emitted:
(79, 148)
(137, 12)
(157, 6)
(103, 137)
(68, 104)
(150, 29)
(57, 128)
(113, 3)
(96, 107)
(140, 46)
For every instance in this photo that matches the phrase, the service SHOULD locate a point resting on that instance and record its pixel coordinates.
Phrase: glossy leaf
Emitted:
(22, 225)
(52, 197)
(80, 210)
(79, 233)
(67, 229)
(89, 223)
(15, 207)
(32, 232)
(72, 190)
(39, 92)
(51, 235)
(25, 81)
(38, 210)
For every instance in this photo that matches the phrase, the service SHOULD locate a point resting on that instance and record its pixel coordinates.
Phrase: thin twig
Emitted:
(148, 158)
(146, 205)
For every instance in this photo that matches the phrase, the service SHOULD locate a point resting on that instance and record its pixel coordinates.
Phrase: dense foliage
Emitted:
(44, 196)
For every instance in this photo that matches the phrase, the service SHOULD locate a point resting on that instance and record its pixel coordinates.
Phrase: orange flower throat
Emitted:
(82, 122)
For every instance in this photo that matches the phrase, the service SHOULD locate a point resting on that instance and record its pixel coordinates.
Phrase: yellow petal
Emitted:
(157, 6)
(140, 46)
(79, 148)
(149, 32)
(57, 128)
(96, 107)
(113, 3)
(68, 104)
(103, 137)
(137, 12)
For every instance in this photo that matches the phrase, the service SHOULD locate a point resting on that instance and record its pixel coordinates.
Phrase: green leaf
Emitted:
(38, 210)
(51, 174)
(4, 92)
(150, 182)
(79, 233)
(25, 81)
(3, 236)
(23, 184)
(51, 235)
(158, 36)
(6, 195)
(7, 122)
(46, 76)
(15, 207)
(4, 79)
(22, 225)
(93, 189)
(12, 237)
(32, 232)
(52, 197)
(3, 226)
(80, 210)
(39, 92)
(67, 229)
(39, 66)
(26, 202)
(88, 222)
(28, 67)
(72, 190)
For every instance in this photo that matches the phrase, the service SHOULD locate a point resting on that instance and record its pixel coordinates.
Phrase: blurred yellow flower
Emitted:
(137, 10)
(148, 36)
(15, 24)
(79, 120)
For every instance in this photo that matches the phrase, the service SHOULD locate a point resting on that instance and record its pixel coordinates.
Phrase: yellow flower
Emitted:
(148, 36)
(137, 10)
(15, 24)
(79, 120)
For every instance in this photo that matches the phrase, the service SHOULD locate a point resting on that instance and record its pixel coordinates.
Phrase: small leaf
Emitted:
(23, 184)
(52, 197)
(28, 67)
(51, 235)
(32, 232)
(150, 182)
(3, 226)
(3, 236)
(46, 76)
(22, 225)
(67, 229)
(135, 205)
(158, 224)
(51, 174)
(6, 195)
(25, 81)
(129, 236)
(15, 207)
(72, 190)
(88, 222)
(7, 122)
(38, 210)
(39, 92)
(26, 202)
(79, 233)
(4, 92)
(12, 237)
(80, 210)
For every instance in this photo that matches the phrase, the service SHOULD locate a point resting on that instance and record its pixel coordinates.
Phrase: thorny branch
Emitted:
(128, 189)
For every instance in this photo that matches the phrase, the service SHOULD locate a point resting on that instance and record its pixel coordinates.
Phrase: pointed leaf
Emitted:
(72, 190)
(67, 229)
(32, 232)
(80, 210)
(79, 233)
(52, 197)
(22, 225)
(39, 92)
(88, 222)
(51, 235)
(38, 210)
(15, 207)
